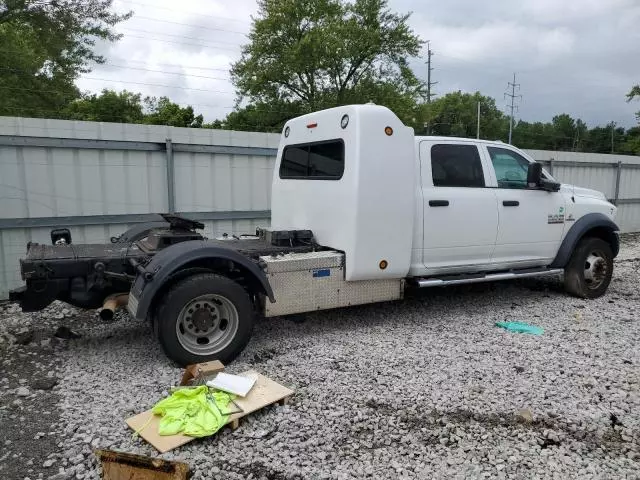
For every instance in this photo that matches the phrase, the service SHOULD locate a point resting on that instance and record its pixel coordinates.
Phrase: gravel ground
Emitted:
(425, 388)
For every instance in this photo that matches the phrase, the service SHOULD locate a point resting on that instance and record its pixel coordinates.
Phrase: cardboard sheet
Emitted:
(264, 392)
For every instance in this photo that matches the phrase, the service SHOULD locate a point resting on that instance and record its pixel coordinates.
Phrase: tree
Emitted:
(456, 114)
(635, 92)
(109, 106)
(564, 132)
(128, 107)
(261, 117)
(163, 111)
(45, 46)
(322, 53)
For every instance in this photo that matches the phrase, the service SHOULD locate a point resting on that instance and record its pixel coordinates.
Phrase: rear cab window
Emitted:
(456, 166)
(313, 161)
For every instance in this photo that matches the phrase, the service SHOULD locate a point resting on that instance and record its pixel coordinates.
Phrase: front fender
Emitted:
(170, 260)
(589, 222)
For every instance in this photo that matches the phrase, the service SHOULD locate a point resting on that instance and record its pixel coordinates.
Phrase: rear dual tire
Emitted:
(204, 317)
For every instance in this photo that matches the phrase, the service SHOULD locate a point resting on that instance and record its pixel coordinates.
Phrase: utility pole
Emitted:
(613, 127)
(478, 126)
(429, 82)
(512, 96)
(429, 69)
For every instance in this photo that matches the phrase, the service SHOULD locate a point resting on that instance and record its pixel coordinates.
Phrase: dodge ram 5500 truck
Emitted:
(361, 208)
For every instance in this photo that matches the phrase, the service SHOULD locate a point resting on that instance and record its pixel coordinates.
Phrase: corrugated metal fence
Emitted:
(100, 178)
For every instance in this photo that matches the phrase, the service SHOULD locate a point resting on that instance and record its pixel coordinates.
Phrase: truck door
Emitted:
(531, 222)
(460, 218)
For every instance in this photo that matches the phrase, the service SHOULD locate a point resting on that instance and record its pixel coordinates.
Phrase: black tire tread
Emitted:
(173, 300)
(574, 271)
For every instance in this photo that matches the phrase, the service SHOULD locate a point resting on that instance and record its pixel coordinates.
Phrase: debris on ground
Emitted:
(200, 411)
(452, 417)
(66, 333)
(199, 373)
(121, 466)
(520, 327)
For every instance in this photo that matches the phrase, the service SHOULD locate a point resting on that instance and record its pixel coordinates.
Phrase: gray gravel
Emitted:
(425, 388)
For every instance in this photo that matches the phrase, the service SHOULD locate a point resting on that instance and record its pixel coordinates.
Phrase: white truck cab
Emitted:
(436, 210)
(361, 209)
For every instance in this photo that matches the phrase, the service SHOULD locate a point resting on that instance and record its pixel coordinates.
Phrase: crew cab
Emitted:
(361, 210)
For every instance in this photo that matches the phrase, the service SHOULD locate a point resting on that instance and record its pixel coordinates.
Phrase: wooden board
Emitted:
(264, 392)
(126, 466)
(203, 370)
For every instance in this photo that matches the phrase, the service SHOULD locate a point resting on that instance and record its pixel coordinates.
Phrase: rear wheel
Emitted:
(204, 317)
(589, 271)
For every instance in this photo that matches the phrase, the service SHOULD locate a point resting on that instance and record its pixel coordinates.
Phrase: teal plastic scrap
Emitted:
(520, 327)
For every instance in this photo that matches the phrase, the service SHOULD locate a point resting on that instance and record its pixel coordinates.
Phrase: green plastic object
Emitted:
(520, 327)
(195, 412)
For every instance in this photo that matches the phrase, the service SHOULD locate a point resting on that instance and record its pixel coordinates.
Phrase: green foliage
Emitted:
(163, 112)
(45, 45)
(109, 106)
(635, 92)
(128, 107)
(262, 117)
(323, 53)
(456, 114)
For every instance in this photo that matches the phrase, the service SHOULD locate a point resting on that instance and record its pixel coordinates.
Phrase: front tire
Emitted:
(204, 317)
(589, 271)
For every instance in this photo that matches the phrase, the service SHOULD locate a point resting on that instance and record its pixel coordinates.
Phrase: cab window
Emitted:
(456, 166)
(313, 161)
(511, 168)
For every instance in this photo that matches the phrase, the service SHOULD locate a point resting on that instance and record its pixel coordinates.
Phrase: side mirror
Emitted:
(535, 179)
(534, 175)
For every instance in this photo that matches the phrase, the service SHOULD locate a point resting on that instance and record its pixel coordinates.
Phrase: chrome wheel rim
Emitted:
(207, 324)
(595, 270)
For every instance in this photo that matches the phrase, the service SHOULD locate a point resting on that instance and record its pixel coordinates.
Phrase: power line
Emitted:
(185, 12)
(513, 96)
(127, 67)
(181, 43)
(145, 62)
(150, 32)
(179, 87)
(190, 25)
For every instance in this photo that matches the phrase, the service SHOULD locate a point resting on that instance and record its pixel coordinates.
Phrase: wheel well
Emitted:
(224, 267)
(606, 234)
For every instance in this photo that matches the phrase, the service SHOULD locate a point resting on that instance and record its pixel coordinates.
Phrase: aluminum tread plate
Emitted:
(315, 281)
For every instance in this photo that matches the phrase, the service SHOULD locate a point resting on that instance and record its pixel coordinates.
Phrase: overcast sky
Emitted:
(575, 56)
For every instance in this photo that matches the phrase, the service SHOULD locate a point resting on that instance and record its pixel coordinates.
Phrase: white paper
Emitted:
(232, 384)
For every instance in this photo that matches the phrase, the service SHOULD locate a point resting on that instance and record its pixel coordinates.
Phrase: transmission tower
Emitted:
(512, 96)
(429, 82)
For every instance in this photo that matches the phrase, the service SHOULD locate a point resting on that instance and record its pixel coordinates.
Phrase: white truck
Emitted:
(361, 209)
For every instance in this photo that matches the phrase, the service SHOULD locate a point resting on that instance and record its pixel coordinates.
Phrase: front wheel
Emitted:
(204, 317)
(589, 271)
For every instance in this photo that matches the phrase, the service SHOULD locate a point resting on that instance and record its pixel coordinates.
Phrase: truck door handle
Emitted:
(510, 203)
(438, 203)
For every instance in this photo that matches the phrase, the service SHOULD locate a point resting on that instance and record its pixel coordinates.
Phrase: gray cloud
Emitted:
(572, 56)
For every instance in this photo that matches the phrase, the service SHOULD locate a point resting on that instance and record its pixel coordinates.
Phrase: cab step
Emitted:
(486, 277)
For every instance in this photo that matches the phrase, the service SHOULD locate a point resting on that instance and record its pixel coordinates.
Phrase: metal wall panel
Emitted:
(57, 168)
